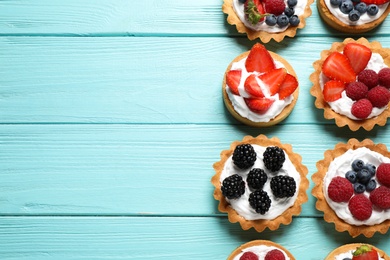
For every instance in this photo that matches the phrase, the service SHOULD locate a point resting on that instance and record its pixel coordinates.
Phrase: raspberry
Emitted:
(340, 189)
(275, 7)
(379, 96)
(283, 186)
(249, 256)
(383, 174)
(273, 158)
(356, 90)
(274, 254)
(244, 156)
(368, 77)
(384, 77)
(233, 187)
(256, 179)
(360, 207)
(260, 201)
(361, 108)
(380, 197)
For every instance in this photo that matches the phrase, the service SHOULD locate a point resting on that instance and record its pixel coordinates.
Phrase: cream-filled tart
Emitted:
(260, 250)
(357, 250)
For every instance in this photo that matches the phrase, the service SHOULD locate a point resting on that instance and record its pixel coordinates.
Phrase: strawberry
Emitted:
(233, 78)
(274, 254)
(365, 252)
(375, 2)
(332, 90)
(358, 55)
(337, 66)
(273, 79)
(252, 86)
(254, 11)
(288, 86)
(259, 59)
(259, 105)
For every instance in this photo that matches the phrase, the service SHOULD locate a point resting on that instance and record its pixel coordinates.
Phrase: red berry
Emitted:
(365, 252)
(380, 197)
(249, 256)
(273, 79)
(360, 207)
(274, 254)
(288, 86)
(332, 90)
(375, 2)
(275, 7)
(259, 105)
(259, 59)
(252, 86)
(383, 174)
(368, 77)
(356, 90)
(340, 189)
(233, 78)
(361, 108)
(384, 77)
(379, 96)
(337, 66)
(254, 11)
(358, 54)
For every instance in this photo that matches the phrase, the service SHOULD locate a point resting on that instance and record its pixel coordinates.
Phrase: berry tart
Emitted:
(261, 250)
(353, 16)
(357, 251)
(352, 187)
(351, 83)
(260, 183)
(267, 19)
(259, 87)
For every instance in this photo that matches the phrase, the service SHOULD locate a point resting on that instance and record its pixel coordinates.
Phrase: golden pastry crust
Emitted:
(261, 224)
(285, 112)
(342, 120)
(332, 21)
(239, 249)
(264, 36)
(318, 178)
(345, 248)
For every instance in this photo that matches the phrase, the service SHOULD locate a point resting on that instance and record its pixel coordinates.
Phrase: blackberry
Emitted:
(244, 156)
(233, 187)
(260, 201)
(273, 158)
(283, 186)
(256, 178)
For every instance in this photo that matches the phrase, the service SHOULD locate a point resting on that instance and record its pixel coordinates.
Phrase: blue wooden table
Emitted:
(111, 116)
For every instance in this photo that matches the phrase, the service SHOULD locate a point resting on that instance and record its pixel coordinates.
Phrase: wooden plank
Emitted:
(117, 80)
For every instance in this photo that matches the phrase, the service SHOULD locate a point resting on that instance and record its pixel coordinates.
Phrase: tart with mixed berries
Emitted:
(260, 183)
(352, 187)
(260, 249)
(357, 251)
(259, 87)
(353, 16)
(267, 19)
(351, 83)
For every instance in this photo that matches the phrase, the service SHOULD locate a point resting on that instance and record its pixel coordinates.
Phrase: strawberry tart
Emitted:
(351, 83)
(267, 19)
(353, 16)
(259, 87)
(261, 250)
(357, 251)
(352, 187)
(260, 183)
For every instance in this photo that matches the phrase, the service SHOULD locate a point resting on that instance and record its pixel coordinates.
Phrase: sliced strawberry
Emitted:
(358, 55)
(332, 90)
(254, 11)
(273, 79)
(288, 86)
(375, 2)
(259, 59)
(337, 66)
(365, 252)
(233, 78)
(259, 105)
(252, 86)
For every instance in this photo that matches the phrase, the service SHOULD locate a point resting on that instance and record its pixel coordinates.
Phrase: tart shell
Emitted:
(348, 247)
(239, 249)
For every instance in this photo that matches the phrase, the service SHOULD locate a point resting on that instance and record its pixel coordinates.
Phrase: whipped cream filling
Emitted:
(364, 18)
(239, 103)
(344, 104)
(261, 251)
(278, 205)
(262, 26)
(338, 167)
(349, 255)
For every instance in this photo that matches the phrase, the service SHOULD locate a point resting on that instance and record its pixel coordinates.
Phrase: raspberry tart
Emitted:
(357, 251)
(259, 87)
(352, 187)
(351, 83)
(259, 250)
(266, 19)
(260, 183)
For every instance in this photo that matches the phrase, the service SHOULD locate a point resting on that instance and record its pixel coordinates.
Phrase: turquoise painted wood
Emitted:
(111, 118)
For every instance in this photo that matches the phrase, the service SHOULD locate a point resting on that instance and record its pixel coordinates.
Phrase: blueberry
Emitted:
(357, 165)
(354, 15)
(347, 258)
(270, 20)
(335, 2)
(346, 6)
(351, 176)
(359, 188)
(371, 168)
(371, 185)
(282, 20)
(242, 1)
(372, 9)
(294, 20)
(361, 7)
(292, 3)
(289, 11)
(363, 176)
